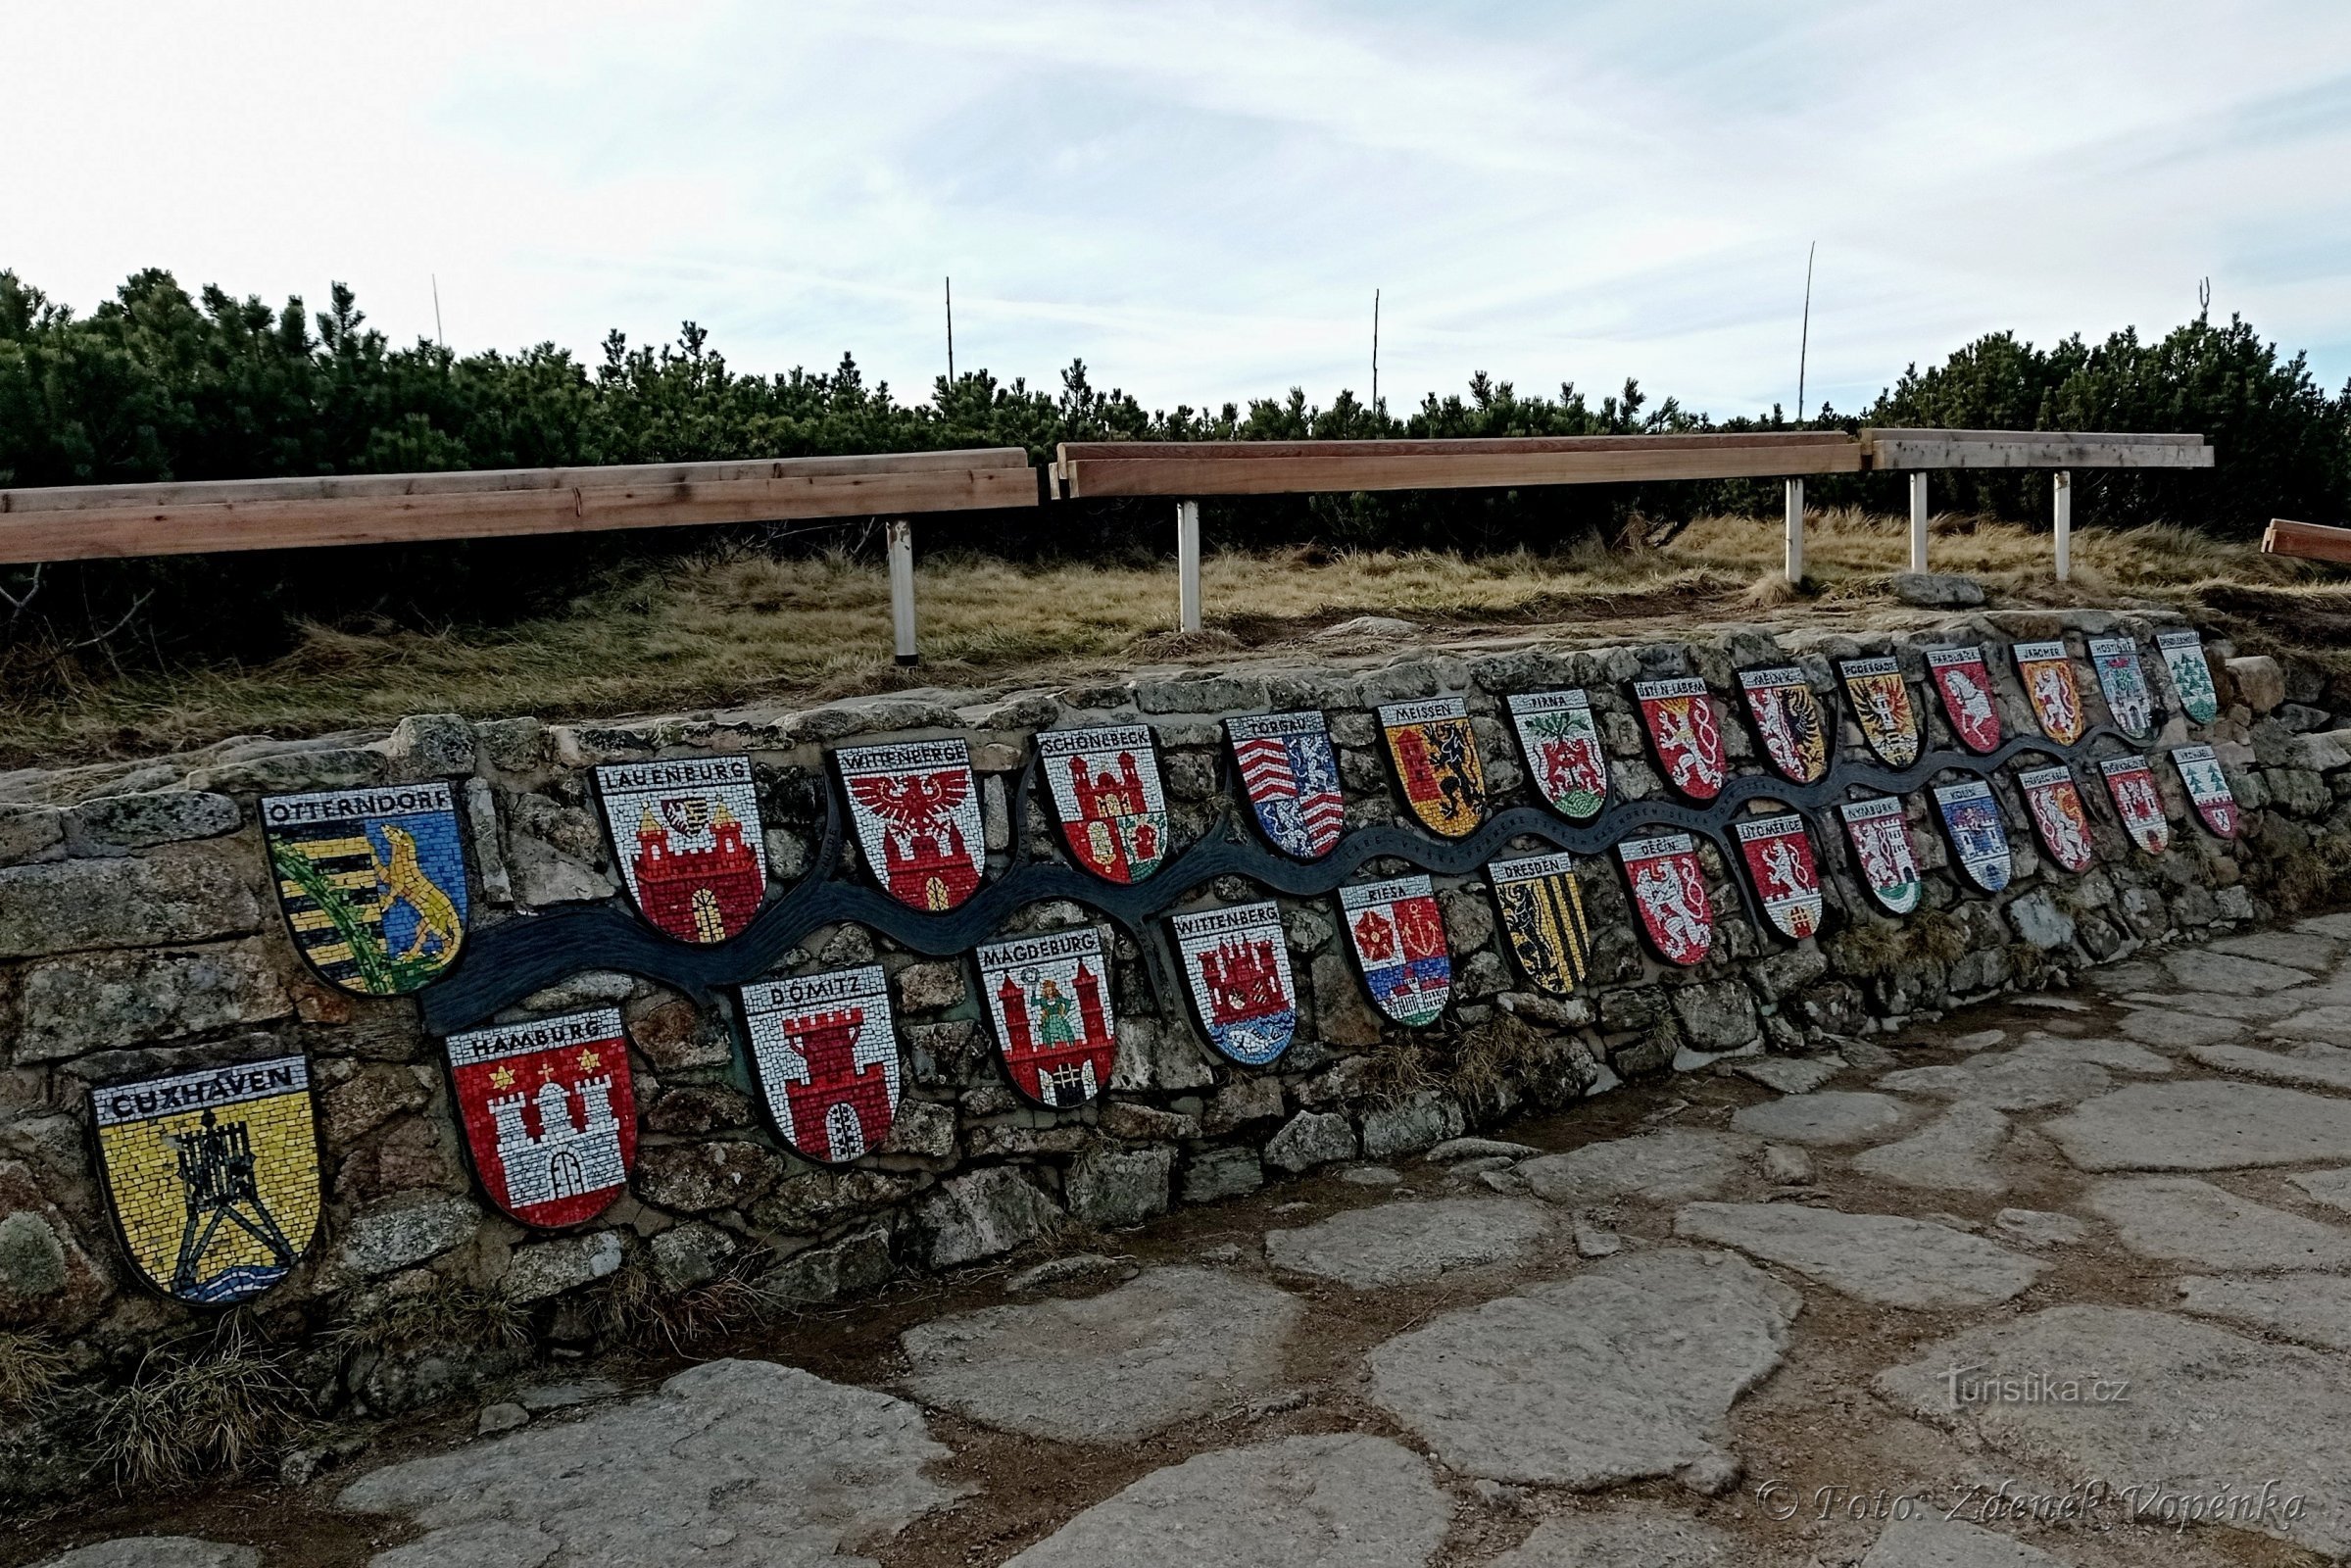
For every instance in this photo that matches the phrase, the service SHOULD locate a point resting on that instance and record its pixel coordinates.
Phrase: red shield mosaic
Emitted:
(1685, 733)
(1790, 720)
(1964, 681)
(1878, 831)
(1882, 707)
(687, 836)
(1237, 963)
(1050, 998)
(2207, 788)
(549, 1112)
(826, 1053)
(1436, 756)
(1398, 938)
(1564, 755)
(1669, 894)
(2059, 821)
(917, 812)
(2138, 802)
(1290, 776)
(1106, 784)
(2048, 677)
(1777, 852)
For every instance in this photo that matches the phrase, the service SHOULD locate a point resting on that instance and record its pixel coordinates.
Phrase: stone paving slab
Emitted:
(1634, 1536)
(1936, 1542)
(1623, 1372)
(2330, 1023)
(2202, 1124)
(2245, 1007)
(2329, 1187)
(158, 1551)
(1671, 1165)
(2314, 1309)
(2177, 1031)
(2178, 1219)
(1883, 1259)
(1409, 1243)
(2336, 925)
(2202, 969)
(2205, 1408)
(2310, 1065)
(2012, 1080)
(1167, 1346)
(1340, 1501)
(1827, 1118)
(1788, 1075)
(746, 1462)
(2299, 950)
(1953, 1152)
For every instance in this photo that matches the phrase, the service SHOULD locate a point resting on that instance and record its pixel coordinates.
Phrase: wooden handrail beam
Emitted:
(103, 521)
(1912, 450)
(2306, 540)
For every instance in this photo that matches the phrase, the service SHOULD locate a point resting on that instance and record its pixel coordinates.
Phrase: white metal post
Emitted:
(901, 536)
(1187, 566)
(1917, 521)
(2063, 499)
(1795, 533)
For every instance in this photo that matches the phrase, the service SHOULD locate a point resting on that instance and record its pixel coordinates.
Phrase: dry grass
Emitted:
(220, 1409)
(735, 626)
(445, 1314)
(31, 1367)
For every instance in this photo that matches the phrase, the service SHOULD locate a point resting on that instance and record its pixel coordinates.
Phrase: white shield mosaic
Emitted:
(1669, 893)
(687, 835)
(1049, 997)
(1880, 833)
(1235, 963)
(917, 812)
(2124, 682)
(825, 1050)
(1564, 753)
(2207, 788)
(2183, 662)
(1106, 784)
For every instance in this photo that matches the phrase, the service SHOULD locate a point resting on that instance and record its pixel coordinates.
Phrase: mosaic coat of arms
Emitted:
(2182, 654)
(1106, 785)
(1669, 891)
(550, 1113)
(825, 1050)
(687, 836)
(1542, 915)
(2048, 677)
(1436, 756)
(1881, 708)
(1050, 998)
(917, 811)
(1787, 878)
(2138, 802)
(372, 883)
(212, 1176)
(1978, 835)
(2207, 788)
(1685, 733)
(1290, 776)
(1398, 939)
(2059, 821)
(1964, 681)
(1789, 717)
(2124, 681)
(1881, 840)
(1237, 963)
(1564, 753)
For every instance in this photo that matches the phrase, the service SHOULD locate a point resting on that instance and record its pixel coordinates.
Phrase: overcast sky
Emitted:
(1199, 198)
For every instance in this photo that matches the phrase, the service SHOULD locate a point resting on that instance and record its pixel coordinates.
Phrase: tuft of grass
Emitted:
(2315, 878)
(637, 1308)
(221, 1410)
(445, 1314)
(31, 1368)
(1395, 1070)
(1870, 948)
(2030, 965)
(1934, 933)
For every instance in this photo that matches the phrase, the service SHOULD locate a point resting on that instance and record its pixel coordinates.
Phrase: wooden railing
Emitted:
(99, 521)
(2310, 541)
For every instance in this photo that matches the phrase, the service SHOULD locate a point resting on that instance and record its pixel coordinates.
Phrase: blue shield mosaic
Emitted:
(1978, 835)
(1237, 966)
(372, 883)
(1290, 776)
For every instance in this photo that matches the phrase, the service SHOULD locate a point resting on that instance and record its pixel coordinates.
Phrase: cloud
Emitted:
(1197, 196)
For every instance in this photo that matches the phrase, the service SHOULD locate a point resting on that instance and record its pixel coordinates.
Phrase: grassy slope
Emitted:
(724, 630)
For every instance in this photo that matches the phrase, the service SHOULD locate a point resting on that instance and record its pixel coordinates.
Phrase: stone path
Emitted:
(1781, 1313)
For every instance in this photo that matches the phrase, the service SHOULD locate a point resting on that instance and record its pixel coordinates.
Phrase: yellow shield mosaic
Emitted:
(212, 1176)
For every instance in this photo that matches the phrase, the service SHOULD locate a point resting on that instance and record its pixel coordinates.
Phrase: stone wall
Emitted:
(138, 935)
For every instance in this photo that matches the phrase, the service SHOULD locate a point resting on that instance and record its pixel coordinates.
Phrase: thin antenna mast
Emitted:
(1804, 342)
(951, 331)
(1374, 351)
(438, 335)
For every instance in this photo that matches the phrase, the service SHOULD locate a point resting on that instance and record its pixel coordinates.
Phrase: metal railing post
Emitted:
(1187, 566)
(901, 536)
(1795, 533)
(1918, 520)
(2061, 510)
